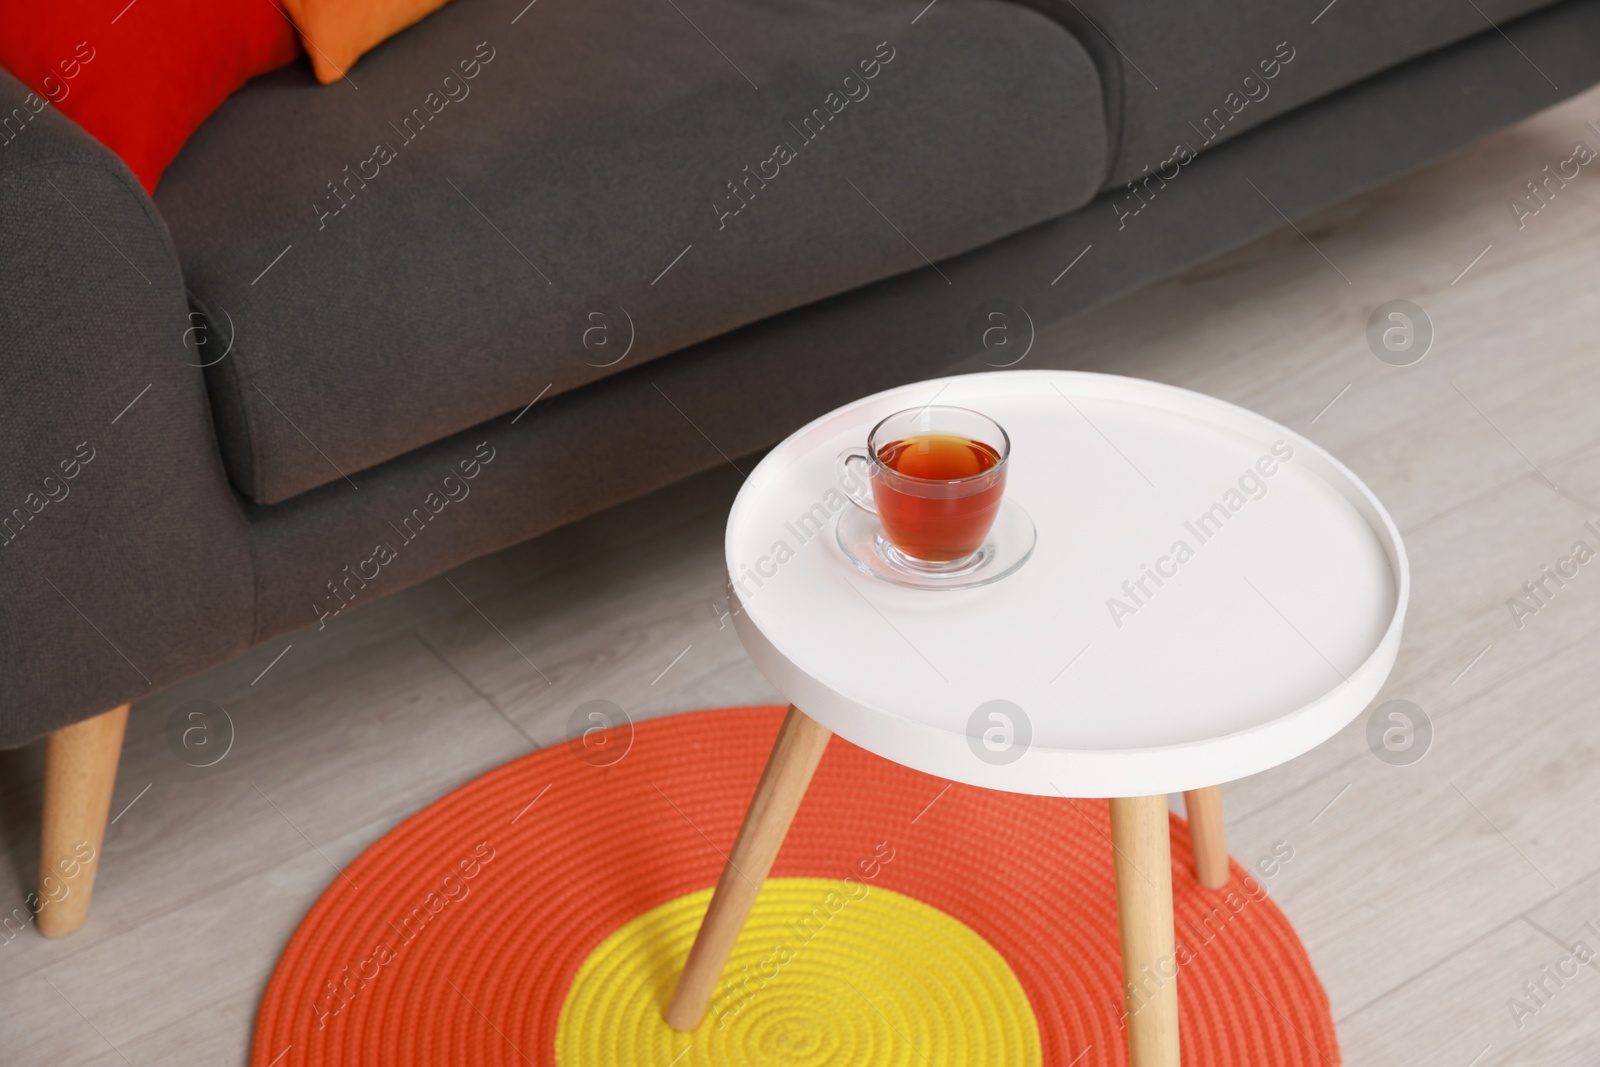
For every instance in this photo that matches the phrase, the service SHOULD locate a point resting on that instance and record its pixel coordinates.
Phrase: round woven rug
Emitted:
(538, 916)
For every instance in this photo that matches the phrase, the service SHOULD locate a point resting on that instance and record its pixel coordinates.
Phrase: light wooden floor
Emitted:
(1427, 894)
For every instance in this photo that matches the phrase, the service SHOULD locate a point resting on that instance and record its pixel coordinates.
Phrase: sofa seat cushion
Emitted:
(1195, 74)
(511, 201)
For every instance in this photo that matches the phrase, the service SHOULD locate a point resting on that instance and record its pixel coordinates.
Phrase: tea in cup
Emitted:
(936, 477)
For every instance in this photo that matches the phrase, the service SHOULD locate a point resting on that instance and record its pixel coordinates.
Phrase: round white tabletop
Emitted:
(1211, 595)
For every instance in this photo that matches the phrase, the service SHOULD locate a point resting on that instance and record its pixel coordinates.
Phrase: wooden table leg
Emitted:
(794, 759)
(1139, 833)
(1207, 835)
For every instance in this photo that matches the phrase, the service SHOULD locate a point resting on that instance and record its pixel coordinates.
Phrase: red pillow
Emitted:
(139, 76)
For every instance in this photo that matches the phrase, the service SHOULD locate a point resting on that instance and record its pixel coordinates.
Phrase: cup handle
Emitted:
(855, 478)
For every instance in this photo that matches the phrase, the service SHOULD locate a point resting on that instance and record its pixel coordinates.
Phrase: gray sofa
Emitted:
(536, 259)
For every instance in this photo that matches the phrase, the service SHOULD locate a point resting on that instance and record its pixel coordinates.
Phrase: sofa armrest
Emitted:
(124, 554)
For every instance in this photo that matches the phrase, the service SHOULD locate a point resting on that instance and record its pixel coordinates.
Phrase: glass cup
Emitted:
(934, 477)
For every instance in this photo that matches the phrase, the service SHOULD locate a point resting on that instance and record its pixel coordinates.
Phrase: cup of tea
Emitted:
(934, 476)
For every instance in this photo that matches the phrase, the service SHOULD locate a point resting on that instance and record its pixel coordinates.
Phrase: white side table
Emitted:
(1211, 595)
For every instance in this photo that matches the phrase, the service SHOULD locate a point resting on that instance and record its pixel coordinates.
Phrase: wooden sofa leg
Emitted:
(80, 770)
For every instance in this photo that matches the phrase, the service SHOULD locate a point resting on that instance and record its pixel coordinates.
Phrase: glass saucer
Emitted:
(1008, 546)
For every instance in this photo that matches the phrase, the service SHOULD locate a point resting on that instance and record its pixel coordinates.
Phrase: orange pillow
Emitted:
(339, 32)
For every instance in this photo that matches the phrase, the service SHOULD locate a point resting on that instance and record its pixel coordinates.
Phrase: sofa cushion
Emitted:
(1177, 72)
(512, 201)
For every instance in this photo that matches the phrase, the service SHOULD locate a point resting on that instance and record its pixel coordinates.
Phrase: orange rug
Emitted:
(538, 915)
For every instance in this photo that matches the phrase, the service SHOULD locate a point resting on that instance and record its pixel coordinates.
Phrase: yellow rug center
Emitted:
(825, 973)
